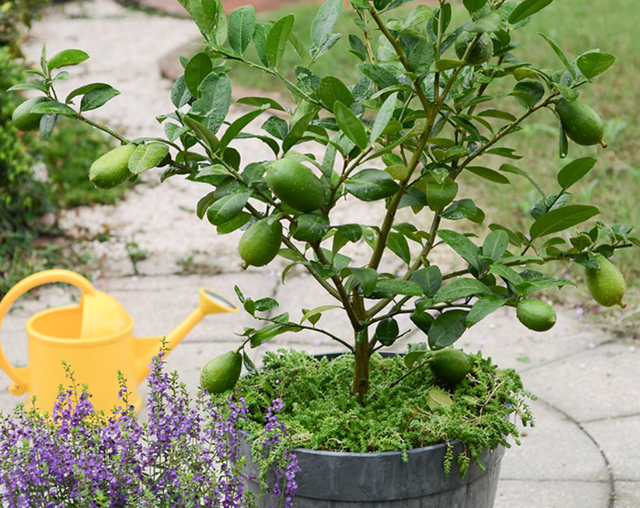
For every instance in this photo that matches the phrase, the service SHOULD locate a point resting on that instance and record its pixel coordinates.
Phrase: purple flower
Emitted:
(185, 455)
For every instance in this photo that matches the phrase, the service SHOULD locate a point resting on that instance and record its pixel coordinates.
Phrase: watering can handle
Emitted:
(30, 282)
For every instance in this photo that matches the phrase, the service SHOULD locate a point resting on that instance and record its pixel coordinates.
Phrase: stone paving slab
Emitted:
(619, 437)
(555, 449)
(627, 495)
(592, 385)
(551, 494)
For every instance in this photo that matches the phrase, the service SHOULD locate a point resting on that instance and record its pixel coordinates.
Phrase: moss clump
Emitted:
(321, 414)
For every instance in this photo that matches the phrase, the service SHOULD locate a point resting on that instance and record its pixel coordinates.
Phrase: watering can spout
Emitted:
(146, 348)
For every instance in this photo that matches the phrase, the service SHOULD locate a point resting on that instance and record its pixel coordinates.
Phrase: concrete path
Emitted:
(584, 451)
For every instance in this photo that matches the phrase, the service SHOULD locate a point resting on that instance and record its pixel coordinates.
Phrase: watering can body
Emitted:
(95, 339)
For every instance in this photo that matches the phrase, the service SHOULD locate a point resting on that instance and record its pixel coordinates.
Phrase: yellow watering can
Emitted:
(95, 338)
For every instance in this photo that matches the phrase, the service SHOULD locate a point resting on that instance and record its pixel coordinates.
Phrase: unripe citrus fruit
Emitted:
(451, 365)
(22, 117)
(606, 285)
(536, 315)
(295, 185)
(221, 373)
(260, 243)
(482, 51)
(112, 169)
(580, 122)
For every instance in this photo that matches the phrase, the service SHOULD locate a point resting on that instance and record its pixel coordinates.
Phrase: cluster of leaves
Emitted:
(321, 414)
(420, 116)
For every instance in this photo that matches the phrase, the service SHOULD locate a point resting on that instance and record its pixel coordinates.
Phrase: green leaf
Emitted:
(53, 107)
(491, 23)
(462, 209)
(202, 132)
(462, 245)
(86, 89)
(204, 13)
(437, 398)
(448, 64)
(147, 156)
(215, 101)
(96, 98)
(415, 351)
(380, 75)
(311, 227)
(496, 113)
(331, 89)
(269, 332)
(180, 94)
(561, 219)
(248, 364)
(488, 174)
(461, 288)
(261, 102)
(423, 320)
(198, 68)
(514, 238)
(594, 63)
(297, 130)
(242, 26)
(387, 331)
(227, 207)
(507, 273)
(397, 243)
(398, 287)
(323, 24)
(474, 5)
(234, 129)
(204, 203)
(527, 8)
(383, 117)
(563, 58)
(483, 307)
(429, 279)
(447, 328)
(260, 41)
(234, 224)
(367, 278)
(574, 171)
(310, 314)
(67, 57)
(495, 244)
(371, 185)
(440, 195)
(277, 39)
(350, 124)
(509, 153)
(421, 56)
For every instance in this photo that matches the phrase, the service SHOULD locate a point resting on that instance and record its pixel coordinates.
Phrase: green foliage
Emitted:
(415, 132)
(321, 414)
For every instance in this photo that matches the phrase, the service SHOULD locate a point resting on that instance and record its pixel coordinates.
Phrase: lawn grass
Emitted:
(576, 26)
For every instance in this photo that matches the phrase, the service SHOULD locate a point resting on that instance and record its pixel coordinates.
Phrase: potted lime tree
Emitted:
(435, 107)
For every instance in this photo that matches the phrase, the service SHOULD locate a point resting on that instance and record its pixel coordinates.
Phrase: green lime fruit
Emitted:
(606, 285)
(260, 243)
(536, 315)
(580, 122)
(22, 117)
(221, 373)
(451, 365)
(482, 51)
(295, 185)
(112, 169)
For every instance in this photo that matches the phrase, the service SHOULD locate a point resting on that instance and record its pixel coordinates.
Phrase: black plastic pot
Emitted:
(384, 480)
